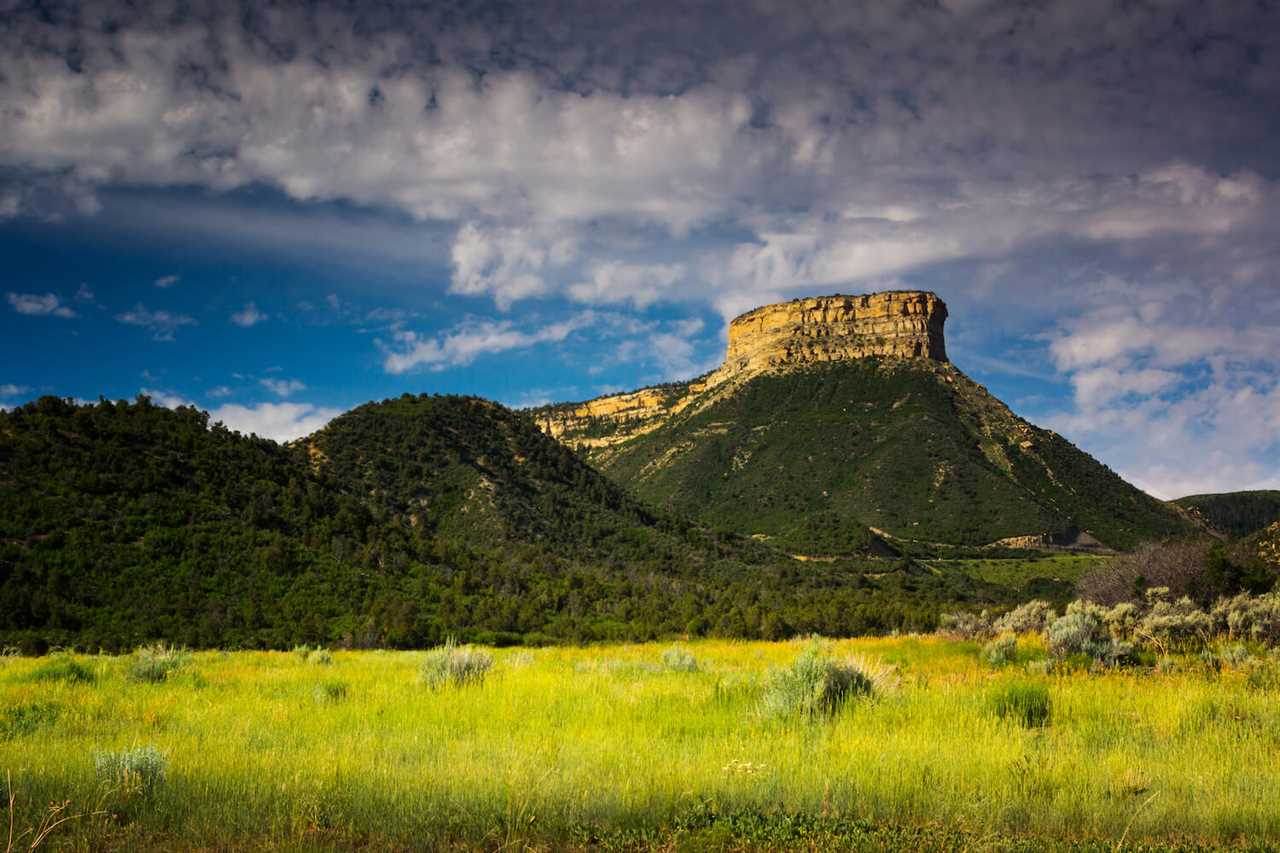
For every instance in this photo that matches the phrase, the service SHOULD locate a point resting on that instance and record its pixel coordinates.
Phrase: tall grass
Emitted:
(569, 749)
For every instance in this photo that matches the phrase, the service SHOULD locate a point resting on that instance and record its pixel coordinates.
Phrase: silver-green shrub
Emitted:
(320, 657)
(679, 659)
(1122, 620)
(1002, 650)
(157, 663)
(1247, 617)
(141, 767)
(818, 685)
(454, 665)
(964, 625)
(1176, 624)
(1030, 618)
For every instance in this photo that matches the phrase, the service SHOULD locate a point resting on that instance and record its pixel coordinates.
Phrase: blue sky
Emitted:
(278, 214)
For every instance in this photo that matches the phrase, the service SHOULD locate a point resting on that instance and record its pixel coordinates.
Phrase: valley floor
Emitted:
(613, 747)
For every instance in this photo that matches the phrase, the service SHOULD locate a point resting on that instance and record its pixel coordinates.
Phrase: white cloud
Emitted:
(219, 392)
(166, 281)
(248, 316)
(11, 390)
(39, 304)
(168, 399)
(276, 421)
(162, 324)
(611, 282)
(282, 387)
(472, 339)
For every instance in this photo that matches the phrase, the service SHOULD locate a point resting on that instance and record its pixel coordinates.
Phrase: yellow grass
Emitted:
(575, 747)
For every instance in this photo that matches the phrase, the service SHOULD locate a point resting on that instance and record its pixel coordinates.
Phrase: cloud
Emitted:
(248, 316)
(471, 340)
(166, 281)
(9, 390)
(39, 305)
(219, 392)
(168, 399)
(1185, 395)
(276, 421)
(162, 324)
(282, 387)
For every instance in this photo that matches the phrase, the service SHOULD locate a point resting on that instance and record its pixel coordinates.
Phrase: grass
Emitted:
(608, 747)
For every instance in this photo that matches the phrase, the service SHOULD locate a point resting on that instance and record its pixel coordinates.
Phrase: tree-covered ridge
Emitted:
(122, 523)
(1236, 514)
(910, 447)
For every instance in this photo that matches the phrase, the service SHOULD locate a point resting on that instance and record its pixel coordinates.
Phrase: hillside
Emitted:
(401, 523)
(824, 425)
(1235, 514)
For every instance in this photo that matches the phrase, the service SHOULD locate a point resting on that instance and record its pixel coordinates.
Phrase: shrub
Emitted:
(64, 667)
(1248, 617)
(330, 692)
(302, 652)
(1032, 617)
(1176, 624)
(320, 657)
(157, 663)
(1122, 620)
(817, 685)
(455, 665)
(964, 625)
(142, 767)
(1002, 650)
(679, 659)
(1025, 703)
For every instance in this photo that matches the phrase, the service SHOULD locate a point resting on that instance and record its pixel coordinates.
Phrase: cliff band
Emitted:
(894, 324)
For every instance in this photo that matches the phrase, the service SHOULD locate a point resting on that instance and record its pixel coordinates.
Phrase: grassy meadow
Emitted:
(635, 747)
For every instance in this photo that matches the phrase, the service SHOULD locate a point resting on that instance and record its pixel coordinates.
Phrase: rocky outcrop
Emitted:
(895, 324)
(788, 335)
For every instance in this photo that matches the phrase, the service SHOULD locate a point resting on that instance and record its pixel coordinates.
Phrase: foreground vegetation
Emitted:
(896, 743)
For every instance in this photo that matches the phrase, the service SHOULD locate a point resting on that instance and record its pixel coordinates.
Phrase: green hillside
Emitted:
(1237, 514)
(812, 457)
(401, 523)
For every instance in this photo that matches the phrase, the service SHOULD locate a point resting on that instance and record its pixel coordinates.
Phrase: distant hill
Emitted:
(838, 420)
(399, 524)
(1235, 514)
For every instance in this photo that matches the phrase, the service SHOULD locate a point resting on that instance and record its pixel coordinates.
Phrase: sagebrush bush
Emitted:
(1247, 617)
(302, 652)
(320, 657)
(964, 625)
(157, 663)
(1122, 620)
(1026, 703)
(1175, 624)
(678, 659)
(1002, 650)
(455, 665)
(142, 767)
(1030, 618)
(64, 667)
(818, 685)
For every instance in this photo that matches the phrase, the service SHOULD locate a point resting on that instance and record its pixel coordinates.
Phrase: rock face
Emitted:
(895, 324)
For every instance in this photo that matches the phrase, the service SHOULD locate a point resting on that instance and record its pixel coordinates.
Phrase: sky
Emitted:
(278, 212)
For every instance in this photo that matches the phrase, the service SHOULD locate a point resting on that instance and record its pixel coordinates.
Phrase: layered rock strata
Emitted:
(788, 335)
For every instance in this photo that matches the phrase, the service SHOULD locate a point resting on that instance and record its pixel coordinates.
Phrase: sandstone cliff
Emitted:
(787, 335)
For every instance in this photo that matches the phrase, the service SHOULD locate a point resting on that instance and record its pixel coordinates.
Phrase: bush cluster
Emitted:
(157, 663)
(455, 665)
(818, 685)
(142, 767)
(1113, 635)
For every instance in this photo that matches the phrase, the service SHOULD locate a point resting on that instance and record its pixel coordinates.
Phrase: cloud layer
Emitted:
(1095, 181)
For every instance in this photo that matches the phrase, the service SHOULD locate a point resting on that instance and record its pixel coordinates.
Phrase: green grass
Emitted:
(609, 747)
